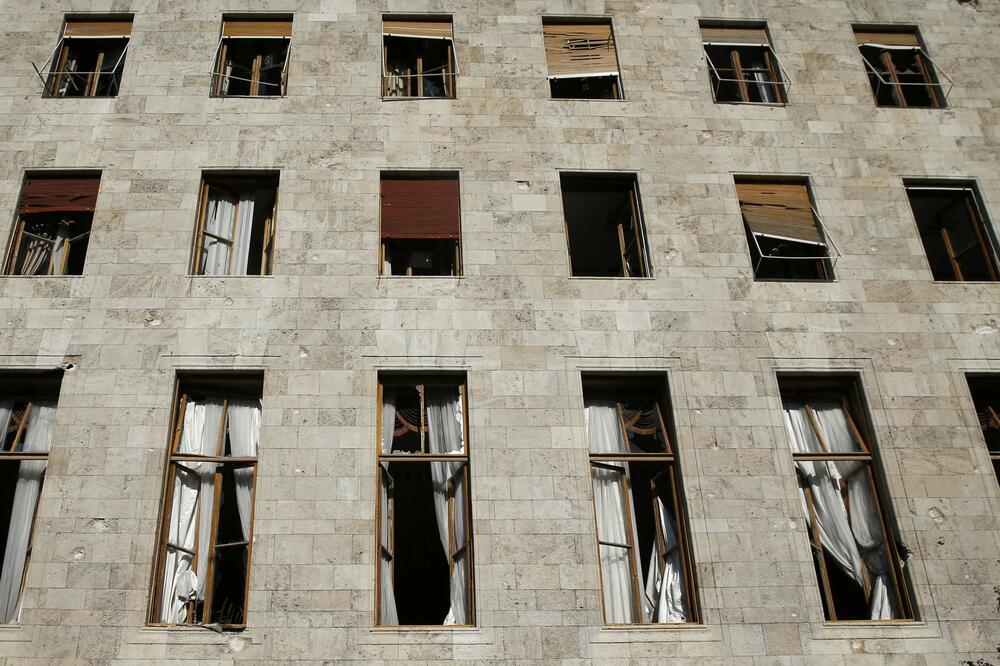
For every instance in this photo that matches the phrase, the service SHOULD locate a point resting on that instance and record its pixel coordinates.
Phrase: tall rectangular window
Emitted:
(53, 225)
(582, 59)
(27, 417)
(899, 70)
(604, 225)
(647, 574)
(236, 224)
(252, 57)
(206, 531)
(424, 516)
(421, 224)
(742, 66)
(90, 58)
(854, 549)
(786, 239)
(960, 245)
(418, 57)
(985, 391)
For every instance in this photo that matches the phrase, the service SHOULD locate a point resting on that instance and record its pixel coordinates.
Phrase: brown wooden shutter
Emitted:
(430, 29)
(909, 38)
(257, 27)
(580, 49)
(105, 28)
(734, 35)
(55, 194)
(420, 207)
(780, 210)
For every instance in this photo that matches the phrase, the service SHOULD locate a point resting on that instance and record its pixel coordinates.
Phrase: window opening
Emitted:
(743, 67)
(418, 58)
(582, 59)
(985, 391)
(236, 225)
(958, 243)
(421, 225)
(899, 70)
(252, 58)
(604, 225)
(89, 59)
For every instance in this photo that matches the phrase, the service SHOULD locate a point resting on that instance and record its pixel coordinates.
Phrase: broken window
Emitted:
(604, 225)
(424, 521)
(958, 243)
(647, 575)
(855, 553)
(206, 534)
(252, 59)
(53, 226)
(742, 66)
(421, 224)
(27, 416)
(899, 69)
(418, 58)
(235, 234)
(985, 391)
(89, 59)
(582, 59)
(786, 238)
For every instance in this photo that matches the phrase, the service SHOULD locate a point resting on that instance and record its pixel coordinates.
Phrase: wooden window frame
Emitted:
(734, 36)
(56, 69)
(616, 76)
(381, 471)
(270, 224)
(449, 77)
(247, 387)
(616, 462)
(273, 22)
(52, 270)
(807, 391)
(926, 68)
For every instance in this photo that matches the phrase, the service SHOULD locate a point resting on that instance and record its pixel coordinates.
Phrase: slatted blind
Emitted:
(779, 209)
(262, 27)
(429, 29)
(580, 49)
(908, 38)
(734, 35)
(420, 207)
(59, 194)
(103, 28)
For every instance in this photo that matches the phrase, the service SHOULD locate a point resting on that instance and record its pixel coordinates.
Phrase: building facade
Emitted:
(409, 237)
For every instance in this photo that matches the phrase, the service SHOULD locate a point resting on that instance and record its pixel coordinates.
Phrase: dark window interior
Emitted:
(408, 56)
(585, 87)
(408, 410)
(229, 584)
(955, 240)
(8, 485)
(751, 65)
(770, 263)
(647, 481)
(599, 219)
(986, 397)
(88, 67)
(253, 67)
(421, 256)
(905, 77)
(66, 235)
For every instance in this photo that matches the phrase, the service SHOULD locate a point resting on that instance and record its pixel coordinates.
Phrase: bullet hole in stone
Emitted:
(99, 524)
(940, 541)
(152, 317)
(79, 554)
(68, 366)
(227, 301)
(523, 184)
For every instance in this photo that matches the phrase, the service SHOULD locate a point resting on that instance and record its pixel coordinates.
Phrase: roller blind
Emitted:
(420, 207)
(734, 35)
(780, 210)
(580, 49)
(436, 29)
(888, 38)
(106, 28)
(71, 194)
(257, 28)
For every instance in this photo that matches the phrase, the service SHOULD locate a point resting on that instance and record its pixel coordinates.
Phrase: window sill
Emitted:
(610, 277)
(41, 277)
(16, 633)
(421, 277)
(903, 629)
(429, 635)
(655, 633)
(769, 104)
(247, 96)
(398, 98)
(975, 282)
(587, 99)
(230, 277)
(190, 635)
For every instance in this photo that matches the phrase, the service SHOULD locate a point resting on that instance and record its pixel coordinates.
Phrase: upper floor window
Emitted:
(899, 70)
(53, 225)
(236, 222)
(986, 397)
(421, 224)
(252, 58)
(742, 66)
(958, 241)
(418, 57)
(582, 59)
(604, 225)
(90, 58)
(786, 238)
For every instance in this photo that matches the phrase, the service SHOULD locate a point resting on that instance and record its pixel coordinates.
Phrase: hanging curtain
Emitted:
(664, 587)
(605, 435)
(387, 595)
(190, 517)
(444, 435)
(63, 231)
(244, 230)
(218, 221)
(388, 418)
(244, 442)
(459, 575)
(37, 439)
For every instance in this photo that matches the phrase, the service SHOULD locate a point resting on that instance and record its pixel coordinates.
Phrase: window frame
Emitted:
(617, 85)
(991, 417)
(52, 70)
(931, 73)
(218, 75)
(446, 174)
(449, 79)
(779, 81)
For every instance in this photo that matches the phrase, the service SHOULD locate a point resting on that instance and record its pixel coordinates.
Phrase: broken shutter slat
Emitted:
(420, 207)
(780, 210)
(734, 35)
(64, 195)
(256, 28)
(887, 38)
(109, 28)
(580, 49)
(414, 28)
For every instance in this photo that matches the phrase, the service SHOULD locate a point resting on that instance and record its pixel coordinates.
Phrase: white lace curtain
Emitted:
(219, 221)
(847, 529)
(387, 595)
(37, 439)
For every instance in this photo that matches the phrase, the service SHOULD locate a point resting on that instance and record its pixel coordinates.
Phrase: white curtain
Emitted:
(664, 589)
(445, 435)
(62, 233)
(605, 435)
(218, 221)
(244, 229)
(388, 418)
(190, 521)
(244, 442)
(37, 439)
(387, 595)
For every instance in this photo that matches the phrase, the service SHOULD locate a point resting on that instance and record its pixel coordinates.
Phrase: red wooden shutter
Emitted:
(420, 207)
(59, 194)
